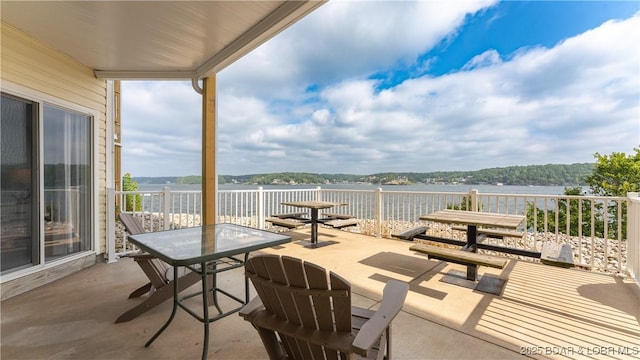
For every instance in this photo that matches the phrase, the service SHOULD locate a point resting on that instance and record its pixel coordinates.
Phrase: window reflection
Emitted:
(67, 182)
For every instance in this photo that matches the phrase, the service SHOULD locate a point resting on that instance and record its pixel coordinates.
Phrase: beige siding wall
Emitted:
(32, 65)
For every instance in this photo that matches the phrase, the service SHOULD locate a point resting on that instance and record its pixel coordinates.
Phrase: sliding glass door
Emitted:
(44, 218)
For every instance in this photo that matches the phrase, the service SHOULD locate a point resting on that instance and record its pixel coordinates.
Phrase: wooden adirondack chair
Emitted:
(301, 312)
(160, 274)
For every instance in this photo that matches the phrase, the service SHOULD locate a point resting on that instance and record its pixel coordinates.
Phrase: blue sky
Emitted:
(364, 87)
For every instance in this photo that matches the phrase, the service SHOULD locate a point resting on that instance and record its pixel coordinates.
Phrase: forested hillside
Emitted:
(550, 174)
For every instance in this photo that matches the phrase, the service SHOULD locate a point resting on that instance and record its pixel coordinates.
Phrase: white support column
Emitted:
(111, 226)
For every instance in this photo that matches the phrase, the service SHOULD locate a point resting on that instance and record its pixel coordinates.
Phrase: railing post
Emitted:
(165, 207)
(633, 236)
(111, 226)
(318, 192)
(378, 214)
(473, 196)
(261, 209)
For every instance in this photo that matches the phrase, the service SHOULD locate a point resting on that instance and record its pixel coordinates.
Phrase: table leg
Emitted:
(314, 227)
(472, 270)
(205, 308)
(214, 287)
(173, 311)
(246, 282)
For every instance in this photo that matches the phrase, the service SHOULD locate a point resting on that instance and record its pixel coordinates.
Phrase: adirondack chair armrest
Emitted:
(141, 256)
(251, 307)
(393, 297)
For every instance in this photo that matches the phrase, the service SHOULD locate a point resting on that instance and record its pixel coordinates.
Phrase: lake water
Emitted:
(504, 189)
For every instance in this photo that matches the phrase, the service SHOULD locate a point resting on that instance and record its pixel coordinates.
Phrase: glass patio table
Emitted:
(206, 250)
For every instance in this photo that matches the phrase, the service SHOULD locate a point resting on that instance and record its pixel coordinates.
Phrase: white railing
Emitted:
(593, 225)
(633, 237)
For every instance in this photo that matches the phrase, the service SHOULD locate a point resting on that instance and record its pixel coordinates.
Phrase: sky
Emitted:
(365, 87)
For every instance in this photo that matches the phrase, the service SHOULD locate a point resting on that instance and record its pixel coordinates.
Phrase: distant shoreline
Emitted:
(505, 189)
(535, 175)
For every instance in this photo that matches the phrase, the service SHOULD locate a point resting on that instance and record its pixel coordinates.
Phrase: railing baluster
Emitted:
(402, 209)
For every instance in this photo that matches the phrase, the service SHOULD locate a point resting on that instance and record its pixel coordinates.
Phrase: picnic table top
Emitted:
(475, 218)
(313, 204)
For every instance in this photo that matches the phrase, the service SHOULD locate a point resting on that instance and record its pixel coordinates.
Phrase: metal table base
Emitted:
(206, 271)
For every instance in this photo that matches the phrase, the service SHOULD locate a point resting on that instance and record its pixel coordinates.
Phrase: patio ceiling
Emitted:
(154, 39)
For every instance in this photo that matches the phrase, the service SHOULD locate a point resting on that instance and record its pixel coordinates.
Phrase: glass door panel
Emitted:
(18, 240)
(67, 182)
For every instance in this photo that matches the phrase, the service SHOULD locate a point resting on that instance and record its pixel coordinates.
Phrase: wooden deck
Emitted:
(542, 307)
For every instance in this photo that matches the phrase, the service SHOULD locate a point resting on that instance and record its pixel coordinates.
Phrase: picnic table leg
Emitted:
(472, 270)
(314, 227)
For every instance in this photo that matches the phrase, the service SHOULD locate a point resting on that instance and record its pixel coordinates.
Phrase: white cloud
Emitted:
(345, 40)
(487, 58)
(303, 101)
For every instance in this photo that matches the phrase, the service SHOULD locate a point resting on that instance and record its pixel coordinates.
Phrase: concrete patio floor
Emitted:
(542, 312)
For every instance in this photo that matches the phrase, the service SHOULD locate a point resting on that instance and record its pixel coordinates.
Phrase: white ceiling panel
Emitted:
(154, 39)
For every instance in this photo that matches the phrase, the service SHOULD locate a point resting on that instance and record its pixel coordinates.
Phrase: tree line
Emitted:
(543, 175)
(616, 174)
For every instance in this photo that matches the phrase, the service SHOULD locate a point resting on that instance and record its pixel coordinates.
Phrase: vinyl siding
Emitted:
(31, 64)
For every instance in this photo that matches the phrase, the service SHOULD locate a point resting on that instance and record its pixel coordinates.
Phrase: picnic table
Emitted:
(314, 206)
(468, 254)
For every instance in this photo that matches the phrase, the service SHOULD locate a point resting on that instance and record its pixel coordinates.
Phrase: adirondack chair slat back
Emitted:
(303, 294)
(130, 223)
(134, 227)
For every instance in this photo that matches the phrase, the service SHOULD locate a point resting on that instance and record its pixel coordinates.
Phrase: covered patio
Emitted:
(543, 311)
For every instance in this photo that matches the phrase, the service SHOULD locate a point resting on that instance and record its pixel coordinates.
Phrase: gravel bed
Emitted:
(589, 253)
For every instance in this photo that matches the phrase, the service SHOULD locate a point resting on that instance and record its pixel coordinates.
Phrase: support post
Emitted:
(472, 269)
(111, 226)
(166, 195)
(261, 209)
(378, 214)
(473, 194)
(209, 175)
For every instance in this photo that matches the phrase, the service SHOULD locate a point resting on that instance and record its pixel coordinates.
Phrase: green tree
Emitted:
(571, 210)
(616, 175)
(465, 204)
(613, 175)
(130, 199)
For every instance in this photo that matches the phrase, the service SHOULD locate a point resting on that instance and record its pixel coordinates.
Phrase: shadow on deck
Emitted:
(543, 310)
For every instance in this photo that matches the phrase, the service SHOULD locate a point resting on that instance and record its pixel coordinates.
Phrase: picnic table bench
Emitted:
(460, 256)
(557, 254)
(341, 223)
(411, 233)
(337, 216)
(490, 232)
(294, 215)
(287, 223)
(464, 256)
